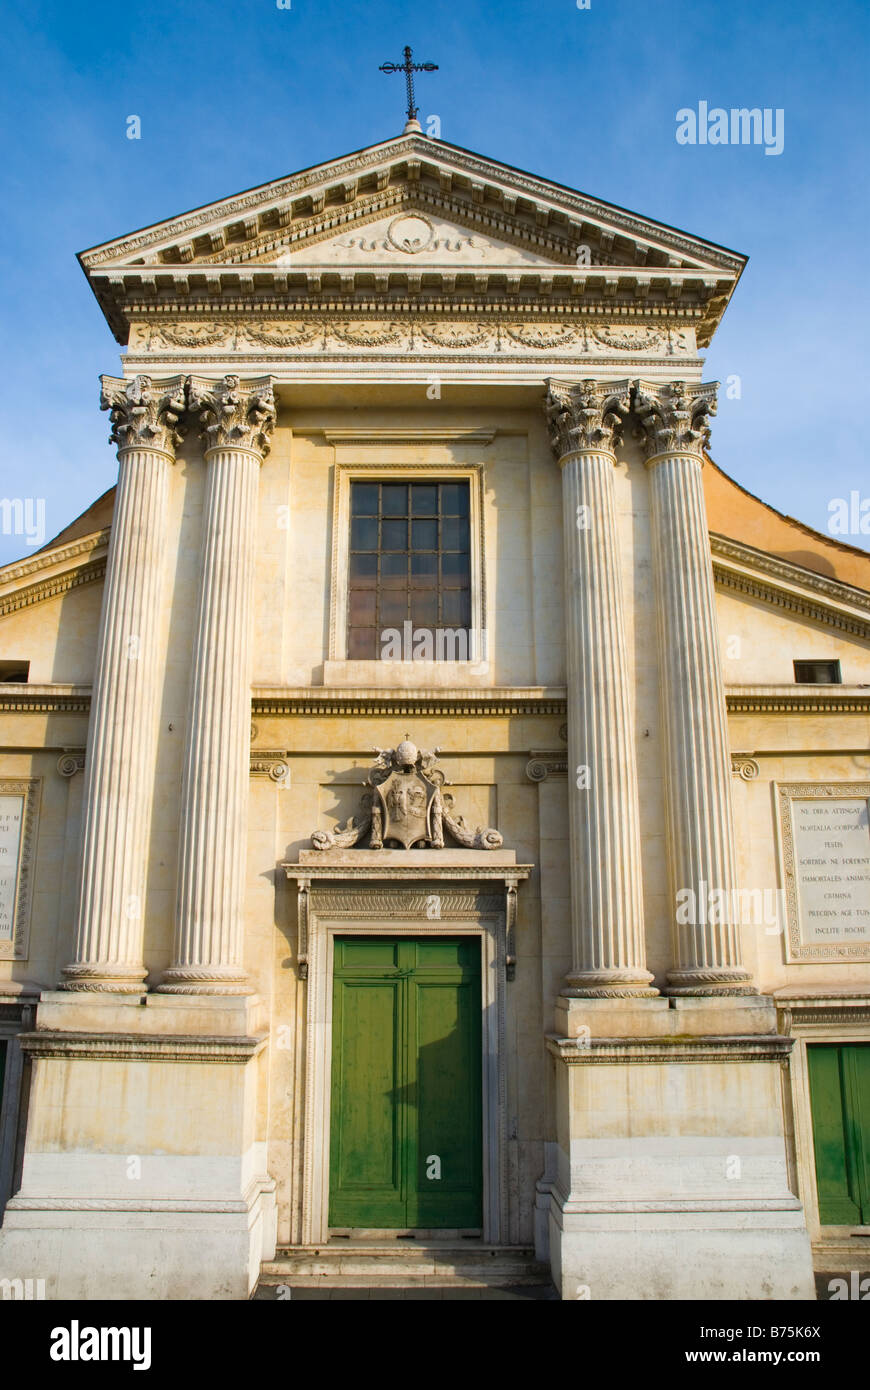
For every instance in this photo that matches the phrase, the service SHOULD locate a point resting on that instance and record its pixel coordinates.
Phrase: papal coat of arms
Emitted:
(406, 805)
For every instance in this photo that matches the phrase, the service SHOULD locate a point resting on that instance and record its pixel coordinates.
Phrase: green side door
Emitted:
(840, 1100)
(405, 1145)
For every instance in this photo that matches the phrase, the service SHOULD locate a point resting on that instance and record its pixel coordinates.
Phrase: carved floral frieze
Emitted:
(410, 334)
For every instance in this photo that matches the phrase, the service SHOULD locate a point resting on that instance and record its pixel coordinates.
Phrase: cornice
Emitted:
(129, 293)
(727, 547)
(655, 1051)
(44, 699)
(498, 700)
(379, 870)
(59, 555)
(769, 579)
(797, 699)
(121, 1047)
(53, 587)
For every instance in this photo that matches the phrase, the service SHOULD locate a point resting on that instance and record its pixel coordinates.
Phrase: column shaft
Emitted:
(606, 882)
(209, 938)
(701, 857)
(122, 737)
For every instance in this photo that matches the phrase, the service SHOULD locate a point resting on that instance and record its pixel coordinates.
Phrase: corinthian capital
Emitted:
(234, 414)
(586, 415)
(145, 413)
(674, 416)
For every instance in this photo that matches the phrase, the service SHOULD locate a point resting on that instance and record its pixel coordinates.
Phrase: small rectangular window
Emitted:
(410, 562)
(11, 671)
(817, 673)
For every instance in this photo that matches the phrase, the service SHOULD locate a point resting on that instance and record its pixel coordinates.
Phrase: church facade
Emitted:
(433, 795)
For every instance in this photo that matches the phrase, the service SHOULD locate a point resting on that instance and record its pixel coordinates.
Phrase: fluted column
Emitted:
(606, 885)
(700, 836)
(122, 737)
(237, 419)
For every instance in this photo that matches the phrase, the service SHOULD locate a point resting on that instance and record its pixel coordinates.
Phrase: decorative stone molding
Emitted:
(132, 1047)
(745, 766)
(71, 761)
(545, 764)
(839, 612)
(58, 555)
(444, 336)
(407, 805)
(502, 700)
(820, 699)
(54, 586)
(726, 549)
(234, 415)
(587, 415)
(45, 699)
(655, 1051)
(144, 414)
(673, 416)
(271, 763)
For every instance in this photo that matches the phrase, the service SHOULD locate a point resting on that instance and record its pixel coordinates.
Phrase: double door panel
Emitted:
(405, 1144)
(840, 1098)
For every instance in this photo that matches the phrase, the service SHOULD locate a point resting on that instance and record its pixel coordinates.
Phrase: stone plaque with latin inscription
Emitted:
(825, 831)
(19, 801)
(11, 819)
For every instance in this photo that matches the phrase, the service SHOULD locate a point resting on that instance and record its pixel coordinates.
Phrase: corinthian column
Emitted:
(606, 886)
(700, 834)
(119, 766)
(237, 419)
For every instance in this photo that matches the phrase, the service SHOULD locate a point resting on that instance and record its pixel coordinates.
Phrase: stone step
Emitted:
(394, 1265)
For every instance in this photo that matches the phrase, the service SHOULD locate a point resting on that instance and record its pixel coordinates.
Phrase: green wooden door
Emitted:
(840, 1100)
(405, 1145)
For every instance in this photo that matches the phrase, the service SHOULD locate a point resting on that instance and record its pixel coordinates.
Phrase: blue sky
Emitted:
(233, 95)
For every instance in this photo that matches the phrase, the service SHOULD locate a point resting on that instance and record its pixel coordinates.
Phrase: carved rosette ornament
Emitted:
(144, 415)
(674, 417)
(234, 415)
(406, 807)
(586, 415)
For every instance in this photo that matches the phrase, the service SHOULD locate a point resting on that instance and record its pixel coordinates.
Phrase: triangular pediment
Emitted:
(415, 204)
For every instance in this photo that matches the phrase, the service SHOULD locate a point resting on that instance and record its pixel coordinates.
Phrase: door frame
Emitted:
(382, 910)
(821, 1017)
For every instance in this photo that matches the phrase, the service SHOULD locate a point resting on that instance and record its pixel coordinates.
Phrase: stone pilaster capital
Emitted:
(145, 414)
(586, 415)
(234, 414)
(673, 416)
